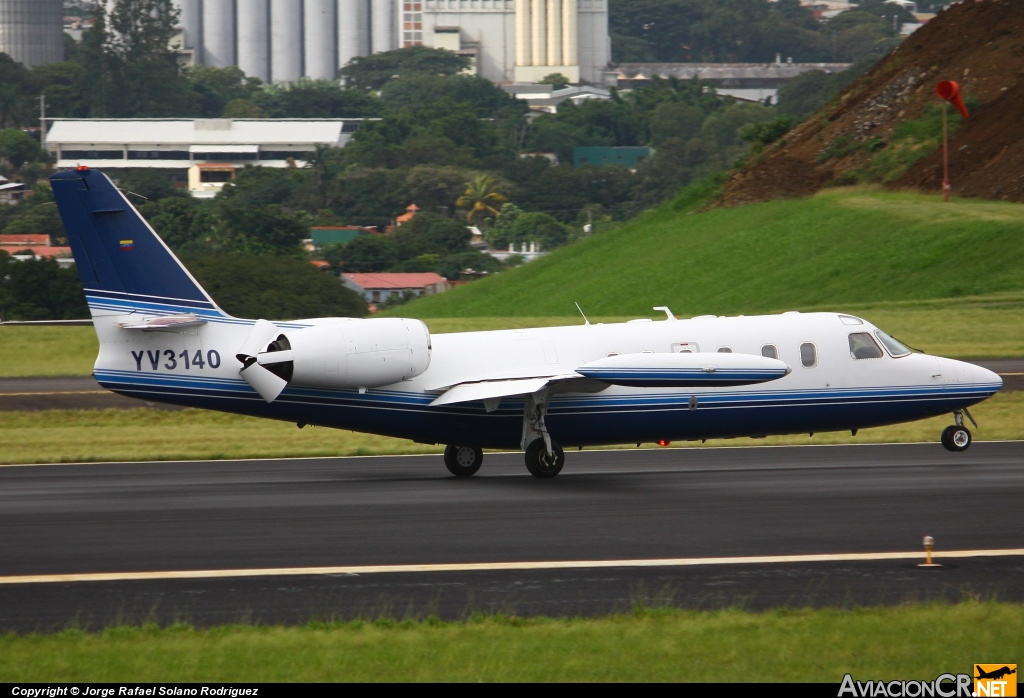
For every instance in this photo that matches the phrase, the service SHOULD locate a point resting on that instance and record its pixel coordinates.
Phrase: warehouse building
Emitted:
(204, 153)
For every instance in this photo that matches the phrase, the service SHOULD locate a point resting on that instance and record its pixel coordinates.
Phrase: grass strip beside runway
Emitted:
(73, 436)
(974, 327)
(912, 642)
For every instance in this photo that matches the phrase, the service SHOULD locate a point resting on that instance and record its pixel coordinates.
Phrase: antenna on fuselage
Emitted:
(585, 320)
(668, 313)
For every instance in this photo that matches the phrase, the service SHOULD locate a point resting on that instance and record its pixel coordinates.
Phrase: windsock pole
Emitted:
(946, 186)
(948, 91)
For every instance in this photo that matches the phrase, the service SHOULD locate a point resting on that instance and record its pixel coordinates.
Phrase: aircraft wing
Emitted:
(495, 387)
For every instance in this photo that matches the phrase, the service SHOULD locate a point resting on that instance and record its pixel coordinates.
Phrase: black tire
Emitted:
(956, 438)
(463, 461)
(542, 464)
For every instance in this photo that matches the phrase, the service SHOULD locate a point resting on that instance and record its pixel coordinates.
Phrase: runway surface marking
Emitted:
(495, 566)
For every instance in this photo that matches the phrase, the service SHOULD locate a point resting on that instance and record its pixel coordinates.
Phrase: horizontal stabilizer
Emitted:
(165, 323)
(664, 370)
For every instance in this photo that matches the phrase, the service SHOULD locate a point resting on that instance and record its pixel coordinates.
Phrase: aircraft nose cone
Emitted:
(980, 375)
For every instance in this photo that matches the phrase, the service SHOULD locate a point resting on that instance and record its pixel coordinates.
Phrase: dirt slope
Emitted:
(978, 44)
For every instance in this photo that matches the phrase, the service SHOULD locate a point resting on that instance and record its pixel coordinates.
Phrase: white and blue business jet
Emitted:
(162, 338)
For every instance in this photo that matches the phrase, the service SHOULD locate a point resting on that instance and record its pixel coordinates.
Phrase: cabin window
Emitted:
(685, 348)
(770, 351)
(895, 347)
(862, 346)
(724, 350)
(808, 354)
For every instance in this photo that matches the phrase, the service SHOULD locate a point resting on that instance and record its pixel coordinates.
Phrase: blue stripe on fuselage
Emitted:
(572, 419)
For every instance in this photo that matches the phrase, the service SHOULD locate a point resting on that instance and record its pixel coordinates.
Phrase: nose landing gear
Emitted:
(956, 437)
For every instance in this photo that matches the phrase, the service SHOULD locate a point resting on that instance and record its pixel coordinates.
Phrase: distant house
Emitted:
(321, 235)
(11, 192)
(410, 212)
(40, 246)
(378, 288)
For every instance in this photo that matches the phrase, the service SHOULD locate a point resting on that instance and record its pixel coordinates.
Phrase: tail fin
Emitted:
(124, 265)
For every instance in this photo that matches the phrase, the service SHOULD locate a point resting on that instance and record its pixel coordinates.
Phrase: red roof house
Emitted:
(39, 243)
(377, 288)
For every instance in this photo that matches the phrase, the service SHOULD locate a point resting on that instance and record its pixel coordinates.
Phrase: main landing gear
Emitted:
(544, 457)
(956, 437)
(463, 461)
(542, 462)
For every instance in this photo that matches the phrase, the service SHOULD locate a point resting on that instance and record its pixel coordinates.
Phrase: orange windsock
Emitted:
(950, 91)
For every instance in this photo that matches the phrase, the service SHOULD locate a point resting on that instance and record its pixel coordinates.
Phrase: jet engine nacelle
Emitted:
(349, 354)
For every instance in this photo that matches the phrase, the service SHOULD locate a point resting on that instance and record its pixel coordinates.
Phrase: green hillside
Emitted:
(841, 247)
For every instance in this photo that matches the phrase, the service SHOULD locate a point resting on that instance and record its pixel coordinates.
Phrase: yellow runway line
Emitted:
(494, 566)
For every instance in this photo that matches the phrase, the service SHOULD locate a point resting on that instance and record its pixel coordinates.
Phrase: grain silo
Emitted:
(285, 40)
(384, 15)
(353, 37)
(321, 42)
(254, 38)
(32, 31)
(219, 33)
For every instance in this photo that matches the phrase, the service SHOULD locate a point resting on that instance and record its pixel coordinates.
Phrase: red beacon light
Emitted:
(663, 442)
(82, 168)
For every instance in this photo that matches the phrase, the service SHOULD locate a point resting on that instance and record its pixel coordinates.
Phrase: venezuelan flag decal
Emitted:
(127, 244)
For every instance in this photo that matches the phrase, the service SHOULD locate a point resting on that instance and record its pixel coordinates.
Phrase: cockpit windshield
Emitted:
(895, 347)
(862, 346)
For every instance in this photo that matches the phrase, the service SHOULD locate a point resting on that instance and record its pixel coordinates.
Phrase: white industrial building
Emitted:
(205, 153)
(510, 40)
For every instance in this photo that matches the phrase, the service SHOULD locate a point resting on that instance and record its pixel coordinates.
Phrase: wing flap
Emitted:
(490, 390)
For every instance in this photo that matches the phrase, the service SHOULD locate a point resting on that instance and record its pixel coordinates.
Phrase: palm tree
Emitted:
(480, 198)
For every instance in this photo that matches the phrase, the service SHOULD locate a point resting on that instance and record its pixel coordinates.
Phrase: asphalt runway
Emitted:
(668, 504)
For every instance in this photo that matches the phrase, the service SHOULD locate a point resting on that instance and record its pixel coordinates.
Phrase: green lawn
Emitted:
(909, 642)
(841, 247)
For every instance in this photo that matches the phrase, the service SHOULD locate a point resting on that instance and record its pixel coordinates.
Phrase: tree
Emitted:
(265, 230)
(33, 214)
(452, 266)
(215, 88)
(17, 147)
(142, 63)
(428, 233)
(374, 71)
(277, 287)
(149, 184)
(541, 228)
(419, 92)
(315, 99)
(480, 199)
(500, 234)
(186, 224)
(16, 87)
(67, 87)
(39, 289)
(366, 253)
(556, 80)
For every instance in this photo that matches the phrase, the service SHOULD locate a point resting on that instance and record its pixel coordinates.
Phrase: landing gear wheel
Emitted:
(956, 438)
(540, 463)
(463, 461)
